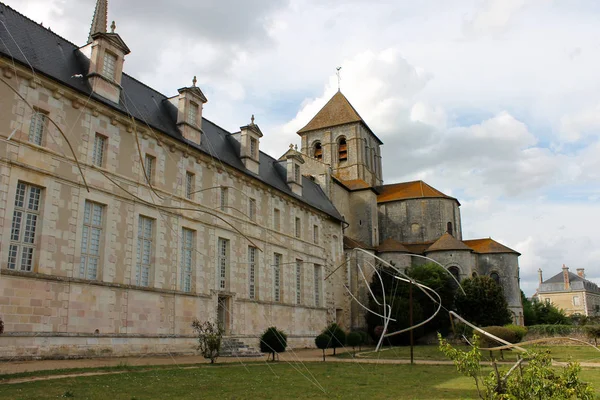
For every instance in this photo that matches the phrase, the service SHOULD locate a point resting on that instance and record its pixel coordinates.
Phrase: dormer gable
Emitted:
(250, 145)
(294, 170)
(190, 103)
(106, 51)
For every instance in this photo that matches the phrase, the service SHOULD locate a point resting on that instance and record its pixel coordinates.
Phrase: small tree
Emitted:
(354, 339)
(337, 334)
(593, 332)
(209, 339)
(273, 341)
(483, 302)
(364, 336)
(322, 342)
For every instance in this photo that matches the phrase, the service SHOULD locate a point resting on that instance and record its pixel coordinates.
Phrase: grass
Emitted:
(431, 352)
(258, 381)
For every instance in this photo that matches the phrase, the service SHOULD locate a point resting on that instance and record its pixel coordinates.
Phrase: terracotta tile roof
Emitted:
(355, 184)
(487, 246)
(447, 242)
(409, 190)
(417, 248)
(337, 111)
(392, 246)
(352, 244)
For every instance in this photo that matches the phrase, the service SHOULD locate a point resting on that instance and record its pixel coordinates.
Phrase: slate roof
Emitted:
(409, 190)
(447, 242)
(556, 284)
(337, 111)
(488, 246)
(60, 60)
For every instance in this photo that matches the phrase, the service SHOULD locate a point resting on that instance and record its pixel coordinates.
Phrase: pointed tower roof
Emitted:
(337, 111)
(100, 21)
(447, 242)
(488, 246)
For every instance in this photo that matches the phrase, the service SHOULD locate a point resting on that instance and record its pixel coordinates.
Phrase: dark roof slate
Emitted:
(30, 44)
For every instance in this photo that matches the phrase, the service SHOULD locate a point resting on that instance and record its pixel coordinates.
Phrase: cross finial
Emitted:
(291, 146)
(338, 76)
(252, 119)
(194, 81)
(113, 26)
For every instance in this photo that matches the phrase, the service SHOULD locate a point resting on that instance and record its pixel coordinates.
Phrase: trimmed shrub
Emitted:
(499, 331)
(322, 342)
(520, 331)
(338, 336)
(273, 341)
(364, 338)
(553, 330)
(593, 332)
(353, 339)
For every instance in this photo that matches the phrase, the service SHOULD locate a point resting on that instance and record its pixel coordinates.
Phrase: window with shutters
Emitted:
(223, 260)
(187, 257)
(298, 281)
(277, 277)
(189, 185)
(99, 150)
(145, 251)
(26, 216)
(252, 261)
(38, 126)
(91, 240)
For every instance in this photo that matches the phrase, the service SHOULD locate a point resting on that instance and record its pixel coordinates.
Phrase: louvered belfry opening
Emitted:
(342, 149)
(318, 153)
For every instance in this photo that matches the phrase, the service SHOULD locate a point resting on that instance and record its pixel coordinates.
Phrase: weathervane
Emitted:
(338, 76)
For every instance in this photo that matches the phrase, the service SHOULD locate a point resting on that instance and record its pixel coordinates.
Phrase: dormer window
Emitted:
(108, 65)
(318, 151)
(342, 149)
(192, 116)
(297, 173)
(253, 147)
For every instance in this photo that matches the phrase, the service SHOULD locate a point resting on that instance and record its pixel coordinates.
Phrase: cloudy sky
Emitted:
(496, 102)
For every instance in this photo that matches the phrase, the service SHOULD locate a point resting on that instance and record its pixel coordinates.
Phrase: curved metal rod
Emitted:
(499, 340)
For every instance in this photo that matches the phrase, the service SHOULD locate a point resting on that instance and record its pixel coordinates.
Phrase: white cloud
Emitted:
(493, 17)
(575, 126)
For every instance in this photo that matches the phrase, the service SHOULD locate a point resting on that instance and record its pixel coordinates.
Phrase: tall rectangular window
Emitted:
(298, 228)
(276, 219)
(149, 165)
(297, 173)
(252, 209)
(298, 281)
(277, 277)
(189, 185)
(192, 113)
(24, 226)
(37, 127)
(223, 249)
(316, 234)
(99, 148)
(252, 258)
(317, 279)
(91, 240)
(253, 148)
(187, 256)
(223, 198)
(108, 65)
(144, 251)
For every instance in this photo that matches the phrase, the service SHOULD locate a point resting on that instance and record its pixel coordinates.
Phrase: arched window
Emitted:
(474, 274)
(318, 151)
(495, 277)
(342, 149)
(449, 228)
(455, 272)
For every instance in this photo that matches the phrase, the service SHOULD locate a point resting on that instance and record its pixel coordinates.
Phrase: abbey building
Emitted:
(125, 213)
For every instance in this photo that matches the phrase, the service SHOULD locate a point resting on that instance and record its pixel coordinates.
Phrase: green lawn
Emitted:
(264, 381)
(559, 353)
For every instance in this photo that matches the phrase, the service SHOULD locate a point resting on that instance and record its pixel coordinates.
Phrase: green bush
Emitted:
(322, 342)
(461, 329)
(338, 336)
(364, 336)
(273, 341)
(353, 339)
(593, 332)
(499, 331)
(553, 330)
(520, 331)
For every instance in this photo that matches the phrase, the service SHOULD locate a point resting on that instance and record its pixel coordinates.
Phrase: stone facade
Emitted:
(570, 292)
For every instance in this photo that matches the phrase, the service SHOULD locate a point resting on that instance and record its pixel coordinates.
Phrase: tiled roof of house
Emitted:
(409, 190)
(448, 242)
(356, 184)
(337, 111)
(28, 43)
(392, 246)
(488, 246)
(350, 243)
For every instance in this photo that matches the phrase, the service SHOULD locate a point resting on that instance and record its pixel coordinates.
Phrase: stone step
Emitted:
(232, 347)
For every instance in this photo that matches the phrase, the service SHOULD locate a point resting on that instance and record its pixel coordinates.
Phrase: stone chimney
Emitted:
(565, 270)
(294, 170)
(581, 272)
(106, 51)
(250, 146)
(540, 277)
(189, 105)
